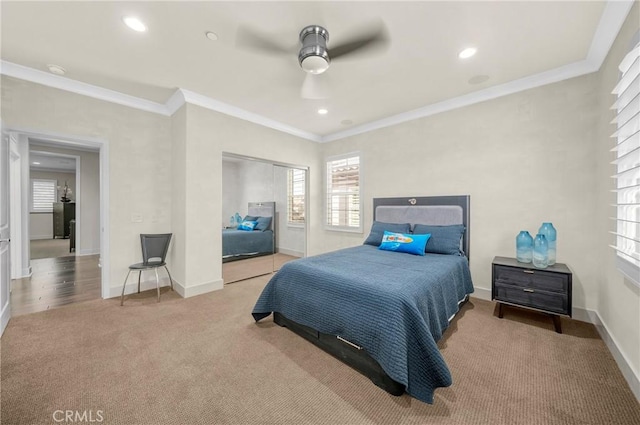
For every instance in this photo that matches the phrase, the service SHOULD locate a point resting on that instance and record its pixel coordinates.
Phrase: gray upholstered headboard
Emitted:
(264, 209)
(433, 210)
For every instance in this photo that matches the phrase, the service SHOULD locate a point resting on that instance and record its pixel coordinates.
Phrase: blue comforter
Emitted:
(394, 305)
(242, 242)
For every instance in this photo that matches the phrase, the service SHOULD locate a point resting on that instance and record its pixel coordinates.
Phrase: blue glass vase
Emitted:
(550, 233)
(540, 251)
(238, 219)
(524, 247)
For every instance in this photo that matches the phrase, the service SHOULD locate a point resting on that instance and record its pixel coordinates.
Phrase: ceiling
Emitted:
(419, 66)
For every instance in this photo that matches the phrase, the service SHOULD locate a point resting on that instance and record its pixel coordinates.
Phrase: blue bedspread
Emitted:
(394, 305)
(241, 242)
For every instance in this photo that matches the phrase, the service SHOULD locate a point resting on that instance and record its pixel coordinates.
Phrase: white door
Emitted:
(5, 281)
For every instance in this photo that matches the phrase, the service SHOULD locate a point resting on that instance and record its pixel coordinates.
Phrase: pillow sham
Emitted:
(247, 225)
(444, 239)
(250, 218)
(263, 223)
(378, 228)
(403, 242)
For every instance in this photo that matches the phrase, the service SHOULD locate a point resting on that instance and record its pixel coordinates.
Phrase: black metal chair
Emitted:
(154, 252)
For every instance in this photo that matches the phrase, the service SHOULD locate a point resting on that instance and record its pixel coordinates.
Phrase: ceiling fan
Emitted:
(315, 56)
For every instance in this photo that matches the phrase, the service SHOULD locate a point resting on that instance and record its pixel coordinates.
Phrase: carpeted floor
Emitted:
(203, 360)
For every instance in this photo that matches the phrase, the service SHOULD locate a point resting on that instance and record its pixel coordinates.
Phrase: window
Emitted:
(627, 162)
(343, 193)
(43, 195)
(295, 196)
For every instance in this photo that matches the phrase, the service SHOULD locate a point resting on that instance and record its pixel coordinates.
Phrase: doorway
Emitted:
(69, 263)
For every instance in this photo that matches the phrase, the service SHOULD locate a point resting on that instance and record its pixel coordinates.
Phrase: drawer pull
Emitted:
(528, 290)
(529, 271)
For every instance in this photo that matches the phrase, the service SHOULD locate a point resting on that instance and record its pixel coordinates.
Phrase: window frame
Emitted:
(290, 188)
(625, 262)
(31, 197)
(327, 188)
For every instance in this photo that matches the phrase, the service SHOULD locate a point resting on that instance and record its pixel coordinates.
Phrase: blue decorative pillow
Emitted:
(249, 218)
(378, 228)
(402, 242)
(247, 225)
(444, 239)
(263, 223)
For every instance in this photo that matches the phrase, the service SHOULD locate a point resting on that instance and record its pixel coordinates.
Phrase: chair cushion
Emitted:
(150, 265)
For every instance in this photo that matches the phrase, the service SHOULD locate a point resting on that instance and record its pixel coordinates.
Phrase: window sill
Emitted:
(630, 271)
(296, 225)
(343, 229)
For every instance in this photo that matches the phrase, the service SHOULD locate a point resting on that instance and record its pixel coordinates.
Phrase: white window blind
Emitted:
(343, 193)
(627, 162)
(295, 196)
(43, 195)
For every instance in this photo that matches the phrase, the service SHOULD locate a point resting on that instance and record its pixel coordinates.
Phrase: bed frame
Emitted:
(433, 210)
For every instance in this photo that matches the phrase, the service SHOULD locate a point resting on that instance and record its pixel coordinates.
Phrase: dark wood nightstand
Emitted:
(520, 284)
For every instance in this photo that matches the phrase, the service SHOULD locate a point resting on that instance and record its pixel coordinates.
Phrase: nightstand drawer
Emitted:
(543, 300)
(534, 279)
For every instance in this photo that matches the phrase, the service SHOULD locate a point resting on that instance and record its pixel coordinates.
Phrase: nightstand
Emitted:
(520, 284)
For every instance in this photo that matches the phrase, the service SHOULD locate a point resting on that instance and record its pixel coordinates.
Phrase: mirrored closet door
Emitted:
(263, 210)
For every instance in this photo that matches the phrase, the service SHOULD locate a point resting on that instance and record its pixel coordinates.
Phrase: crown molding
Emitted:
(612, 19)
(56, 81)
(224, 108)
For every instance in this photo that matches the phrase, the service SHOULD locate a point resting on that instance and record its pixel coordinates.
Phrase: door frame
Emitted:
(78, 142)
(15, 209)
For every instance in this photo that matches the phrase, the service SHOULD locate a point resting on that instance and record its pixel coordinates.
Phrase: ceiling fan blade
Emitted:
(263, 43)
(372, 37)
(314, 86)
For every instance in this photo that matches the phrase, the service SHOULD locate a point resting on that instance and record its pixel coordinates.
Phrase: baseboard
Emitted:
(202, 288)
(26, 272)
(93, 251)
(291, 252)
(481, 293)
(40, 237)
(623, 363)
(148, 282)
(4, 317)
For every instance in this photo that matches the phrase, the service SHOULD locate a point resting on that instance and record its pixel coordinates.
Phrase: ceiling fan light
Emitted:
(314, 64)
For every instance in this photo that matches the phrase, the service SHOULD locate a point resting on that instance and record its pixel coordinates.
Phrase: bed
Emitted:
(242, 244)
(381, 312)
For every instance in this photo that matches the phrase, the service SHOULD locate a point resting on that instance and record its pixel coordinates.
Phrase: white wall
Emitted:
(618, 300)
(140, 182)
(41, 224)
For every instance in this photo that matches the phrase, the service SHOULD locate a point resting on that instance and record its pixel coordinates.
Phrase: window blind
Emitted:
(343, 193)
(627, 162)
(295, 196)
(43, 195)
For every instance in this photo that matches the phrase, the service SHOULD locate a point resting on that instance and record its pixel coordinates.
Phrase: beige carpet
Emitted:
(203, 360)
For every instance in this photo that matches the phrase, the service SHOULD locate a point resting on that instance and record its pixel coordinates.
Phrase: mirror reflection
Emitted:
(263, 210)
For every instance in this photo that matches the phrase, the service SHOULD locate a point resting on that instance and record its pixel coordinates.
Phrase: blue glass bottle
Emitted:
(550, 233)
(524, 247)
(232, 222)
(540, 251)
(238, 219)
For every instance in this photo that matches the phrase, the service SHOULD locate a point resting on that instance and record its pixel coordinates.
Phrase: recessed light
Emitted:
(134, 23)
(56, 69)
(323, 111)
(467, 53)
(35, 163)
(211, 35)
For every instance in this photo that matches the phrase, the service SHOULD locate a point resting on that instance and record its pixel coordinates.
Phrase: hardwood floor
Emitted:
(56, 282)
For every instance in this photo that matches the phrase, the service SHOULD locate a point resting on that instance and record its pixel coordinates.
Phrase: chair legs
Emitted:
(170, 279)
(124, 286)
(139, 278)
